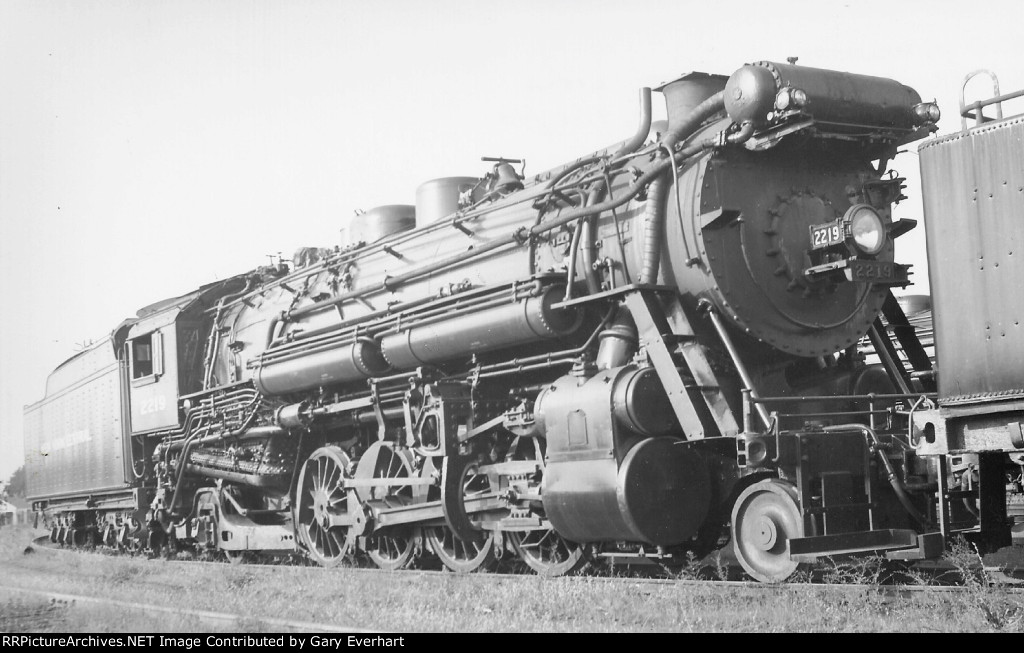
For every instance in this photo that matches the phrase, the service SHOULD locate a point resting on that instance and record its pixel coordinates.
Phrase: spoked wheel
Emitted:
(237, 557)
(547, 552)
(465, 556)
(392, 548)
(544, 550)
(321, 498)
(766, 516)
(458, 544)
(391, 551)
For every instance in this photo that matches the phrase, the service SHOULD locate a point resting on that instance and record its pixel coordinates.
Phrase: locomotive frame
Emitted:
(626, 356)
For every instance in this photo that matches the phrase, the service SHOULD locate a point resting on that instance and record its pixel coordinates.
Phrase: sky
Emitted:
(147, 148)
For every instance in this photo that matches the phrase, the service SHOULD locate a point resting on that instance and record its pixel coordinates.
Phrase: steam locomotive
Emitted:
(632, 355)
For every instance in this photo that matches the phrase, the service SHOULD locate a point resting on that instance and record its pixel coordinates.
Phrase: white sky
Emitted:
(148, 147)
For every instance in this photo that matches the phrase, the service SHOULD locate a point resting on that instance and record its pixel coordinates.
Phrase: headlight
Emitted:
(927, 112)
(790, 98)
(864, 227)
(782, 99)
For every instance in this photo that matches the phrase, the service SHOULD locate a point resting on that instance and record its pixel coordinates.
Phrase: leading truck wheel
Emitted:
(463, 556)
(548, 553)
(544, 550)
(320, 497)
(766, 516)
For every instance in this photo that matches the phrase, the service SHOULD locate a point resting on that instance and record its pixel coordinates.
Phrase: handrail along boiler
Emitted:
(619, 357)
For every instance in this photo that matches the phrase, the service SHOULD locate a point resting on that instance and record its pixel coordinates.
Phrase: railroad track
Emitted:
(205, 617)
(1006, 582)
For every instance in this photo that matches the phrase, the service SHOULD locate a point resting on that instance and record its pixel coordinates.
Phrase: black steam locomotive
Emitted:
(619, 357)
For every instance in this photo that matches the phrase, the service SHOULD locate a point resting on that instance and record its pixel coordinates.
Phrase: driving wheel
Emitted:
(321, 499)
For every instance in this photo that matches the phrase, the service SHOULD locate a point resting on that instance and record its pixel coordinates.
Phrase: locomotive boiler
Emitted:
(619, 357)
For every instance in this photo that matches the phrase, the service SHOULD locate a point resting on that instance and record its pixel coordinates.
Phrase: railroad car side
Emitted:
(78, 452)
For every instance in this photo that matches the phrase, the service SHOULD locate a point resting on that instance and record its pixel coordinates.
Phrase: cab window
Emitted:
(146, 356)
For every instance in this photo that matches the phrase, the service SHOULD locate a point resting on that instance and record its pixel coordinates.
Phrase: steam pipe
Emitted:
(656, 211)
(589, 245)
(187, 448)
(630, 146)
(240, 434)
(691, 122)
(585, 229)
(336, 336)
(734, 354)
(521, 235)
(643, 130)
(570, 273)
(381, 313)
(654, 225)
(565, 172)
(272, 330)
(213, 340)
(618, 237)
(688, 125)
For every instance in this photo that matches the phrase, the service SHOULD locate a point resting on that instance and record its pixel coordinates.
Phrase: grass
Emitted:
(410, 602)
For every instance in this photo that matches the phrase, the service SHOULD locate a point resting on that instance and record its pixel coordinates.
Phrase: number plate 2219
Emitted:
(827, 235)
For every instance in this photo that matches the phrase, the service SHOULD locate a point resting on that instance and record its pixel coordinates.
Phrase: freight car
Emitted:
(629, 355)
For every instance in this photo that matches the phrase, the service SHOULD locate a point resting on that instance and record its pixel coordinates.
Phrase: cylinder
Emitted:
(349, 362)
(439, 198)
(293, 416)
(528, 320)
(379, 222)
(639, 403)
(602, 482)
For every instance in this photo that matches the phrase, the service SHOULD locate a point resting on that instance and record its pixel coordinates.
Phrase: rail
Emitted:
(978, 107)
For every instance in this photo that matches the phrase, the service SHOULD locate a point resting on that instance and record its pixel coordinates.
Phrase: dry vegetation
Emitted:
(409, 602)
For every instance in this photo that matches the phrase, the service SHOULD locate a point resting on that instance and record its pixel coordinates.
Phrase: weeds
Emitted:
(873, 570)
(983, 596)
(239, 579)
(721, 569)
(480, 602)
(125, 574)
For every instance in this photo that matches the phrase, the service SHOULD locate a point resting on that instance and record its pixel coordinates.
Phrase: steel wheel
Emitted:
(392, 548)
(766, 516)
(321, 496)
(461, 556)
(544, 550)
(391, 551)
(547, 552)
(474, 551)
(130, 536)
